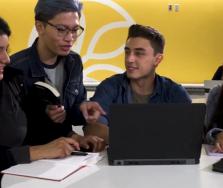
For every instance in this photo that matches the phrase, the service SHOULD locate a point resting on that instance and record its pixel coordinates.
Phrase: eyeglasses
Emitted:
(63, 31)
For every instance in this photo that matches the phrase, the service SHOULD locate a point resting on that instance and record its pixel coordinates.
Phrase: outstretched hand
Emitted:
(91, 111)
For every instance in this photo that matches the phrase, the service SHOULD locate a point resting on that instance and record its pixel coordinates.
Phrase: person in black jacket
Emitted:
(51, 60)
(13, 119)
(13, 122)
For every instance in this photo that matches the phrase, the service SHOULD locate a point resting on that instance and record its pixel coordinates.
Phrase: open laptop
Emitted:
(141, 134)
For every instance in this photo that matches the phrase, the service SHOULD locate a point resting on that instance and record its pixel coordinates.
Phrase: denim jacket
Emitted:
(74, 93)
(116, 90)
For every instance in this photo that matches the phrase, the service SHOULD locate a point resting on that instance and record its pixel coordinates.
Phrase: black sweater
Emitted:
(13, 125)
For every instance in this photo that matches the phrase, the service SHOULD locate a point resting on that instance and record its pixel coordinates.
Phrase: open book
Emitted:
(46, 93)
(53, 169)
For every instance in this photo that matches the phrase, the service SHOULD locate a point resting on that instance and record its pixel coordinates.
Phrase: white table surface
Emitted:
(154, 176)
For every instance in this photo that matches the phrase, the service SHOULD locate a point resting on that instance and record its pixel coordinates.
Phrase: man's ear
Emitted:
(158, 59)
(40, 27)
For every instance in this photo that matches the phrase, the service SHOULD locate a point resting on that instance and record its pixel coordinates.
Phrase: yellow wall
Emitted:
(193, 35)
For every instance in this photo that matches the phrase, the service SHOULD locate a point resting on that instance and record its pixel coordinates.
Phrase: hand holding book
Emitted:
(56, 113)
(49, 97)
(46, 93)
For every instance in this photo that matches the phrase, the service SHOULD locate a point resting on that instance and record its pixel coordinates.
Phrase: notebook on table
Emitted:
(141, 134)
(54, 169)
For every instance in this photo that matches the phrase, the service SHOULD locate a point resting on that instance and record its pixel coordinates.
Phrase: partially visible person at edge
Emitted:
(140, 83)
(13, 122)
(50, 59)
(214, 118)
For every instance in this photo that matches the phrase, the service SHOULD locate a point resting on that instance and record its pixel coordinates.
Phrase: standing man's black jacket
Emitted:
(41, 129)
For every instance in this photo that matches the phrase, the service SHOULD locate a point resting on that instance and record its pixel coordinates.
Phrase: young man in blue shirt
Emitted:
(140, 83)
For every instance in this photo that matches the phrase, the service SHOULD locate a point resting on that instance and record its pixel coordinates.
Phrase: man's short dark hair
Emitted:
(4, 27)
(155, 37)
(46, 10)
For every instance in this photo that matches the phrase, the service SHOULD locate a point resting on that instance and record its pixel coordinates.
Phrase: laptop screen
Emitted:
(156, 133)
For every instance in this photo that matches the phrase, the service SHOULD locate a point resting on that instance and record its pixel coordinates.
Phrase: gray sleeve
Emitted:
(20, 154)
(212, 102)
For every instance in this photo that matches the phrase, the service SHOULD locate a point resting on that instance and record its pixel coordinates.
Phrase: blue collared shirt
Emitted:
(116, 90)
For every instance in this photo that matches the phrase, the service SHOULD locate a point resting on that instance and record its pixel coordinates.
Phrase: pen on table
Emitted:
(79, 153)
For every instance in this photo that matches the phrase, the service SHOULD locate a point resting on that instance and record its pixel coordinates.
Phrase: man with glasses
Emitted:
(51, 60)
